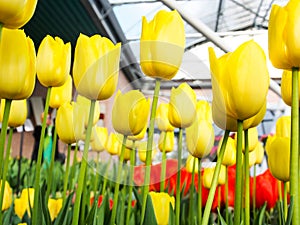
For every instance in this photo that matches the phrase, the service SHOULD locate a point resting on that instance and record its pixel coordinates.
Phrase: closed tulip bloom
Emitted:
(209, 173)
(84, 109)
(130, 112)
(182, 108)
(100, 137)
(65, 123)
(17, 114)
(190, 163)
(142, 150)
(260, 153)
(229, 157)
(252, 158)
(96, 66)
(204, 111)
(8, 195)
(279, 158)
(113, 145)
(284, 49)
(15, 14)
(139, 136)
(252, 139)
(240, 81)
(53, 62)
(17, 65)
(24, 202)
(286, 87)
(161, 118)
(161, 205)
(54, 207)
(62, 94)
(161, 51)
(169, 144)
(283, 126)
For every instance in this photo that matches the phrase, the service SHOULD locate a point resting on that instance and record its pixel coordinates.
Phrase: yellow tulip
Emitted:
(127, 152)
(100, 138)
(96, 66)
(62, 94)
(286, 87)
(142, 150)
(17, 65)
(24, 202)
(229, 157)
(260, 153)
(283, 126)
(169, 144)
(252, 158)
(54, 206)
(53, 62)
(283, 33)
(161, 118)
(161, 205)
(161, 51)
(7, 198)
(113, 145)
(252, 139)
(269, 141)
(190, 163)
(139, 136)
(22, 223)
(130, 112)
(279, 158)
(17, 114)
(84, 108)
(208, 175)
(65, 123)
(182, 108)
(235, 93)
(15, 14)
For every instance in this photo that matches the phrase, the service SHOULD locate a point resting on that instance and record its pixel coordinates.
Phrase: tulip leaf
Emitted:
(262, 214)
(290, 211)
(220, 217)
(171, 215)
(103, 213)
(149, 215)
(8, 214)
(137, 196)
(44, 207)
(90, 219)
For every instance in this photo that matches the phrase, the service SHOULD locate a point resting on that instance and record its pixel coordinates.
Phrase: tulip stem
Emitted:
(8, 148)
(50, 172)
(4, 130)
(1, 27)
(66, 180)
(149, 149)
(96, 173)
(117, 185)
(163, 165)
(178, 180)
(83, 166)
(191, 206)
(226, 198)
(105, 177)
(72, 178)
(254, 194)
(214, 183)
(247, 174)
(238, 179)
(199, 192)
(294, 155)
(35, 212)
(285, 207)
(131, 173)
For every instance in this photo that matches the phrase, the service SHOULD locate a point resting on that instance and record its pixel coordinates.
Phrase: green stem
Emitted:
(50, 172)
(85, 195)
(96, 174)
(254, 194)
(219, 201)
(178, 180)
(36, 215)
(294, 155)
(117, 185)
(83, 165)
(131, 173)
(199, 192)
(4, 130)
(285, 206)
(163, 165)
(238, 179)
(247, 175)
(214, 183)
(66, 179)
(226, 194)
(191, 206)
(8, 148)
(149, 149)
(72, 175)
(105, 177)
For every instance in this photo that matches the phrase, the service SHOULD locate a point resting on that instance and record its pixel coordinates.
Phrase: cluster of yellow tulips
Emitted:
(240, 82)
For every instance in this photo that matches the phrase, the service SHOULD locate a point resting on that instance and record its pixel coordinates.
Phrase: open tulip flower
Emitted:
(161, 51)
(8, 194)
(17, 64)
(17, 114)
(53, 62)
(130, 112)
(54, 206)
(24, 202)
(96, 66)
(15, 14)
(62, 94)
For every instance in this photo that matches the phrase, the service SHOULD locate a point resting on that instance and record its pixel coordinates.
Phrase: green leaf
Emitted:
(171, 215)
(44, 206)
(262, 214)
(223, 222)
(290, 211)
(149, 214)
(92, 214)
